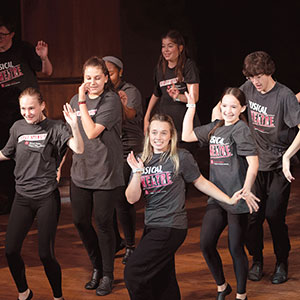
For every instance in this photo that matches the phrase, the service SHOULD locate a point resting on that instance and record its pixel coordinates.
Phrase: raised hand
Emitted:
(83, 88)
(70, 115)
(133, 162)
(123, 97)
(173, 91)
(41, 49)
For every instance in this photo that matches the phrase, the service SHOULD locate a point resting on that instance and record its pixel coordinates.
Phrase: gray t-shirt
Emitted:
(101, 164)
(37, 150)
(132, 130)
(272, 120)
(228, 148)
(164, 191)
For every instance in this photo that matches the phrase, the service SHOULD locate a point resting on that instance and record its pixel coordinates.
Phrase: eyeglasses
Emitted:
(255, 78)
(4, 34)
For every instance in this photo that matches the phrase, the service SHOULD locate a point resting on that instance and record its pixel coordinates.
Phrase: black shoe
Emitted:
(280, 274)
(256, 271)
(94, 282)
(227, 291)
(29, 296)
(105, 286)
(119, 246)
(128, 252)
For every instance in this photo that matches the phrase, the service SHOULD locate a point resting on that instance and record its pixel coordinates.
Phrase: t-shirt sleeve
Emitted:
(10, 147)
(243, 139)
(202, 132)
(188, 166)
(110, 111)
(156, 89)
(291, 110)
(32, 58)
(191, 72)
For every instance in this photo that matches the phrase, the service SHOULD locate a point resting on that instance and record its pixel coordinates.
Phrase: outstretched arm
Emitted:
(216, 112)
(41, 50)
(134, 191)
(188, 134)
(208, 188)
(75, 142)
(292, 149)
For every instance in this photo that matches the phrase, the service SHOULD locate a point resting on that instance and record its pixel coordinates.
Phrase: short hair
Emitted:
(258, 62)
(8, 23)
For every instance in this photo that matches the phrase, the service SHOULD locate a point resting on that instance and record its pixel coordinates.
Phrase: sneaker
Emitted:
(105, 286)
(256, 271)
(128, 252)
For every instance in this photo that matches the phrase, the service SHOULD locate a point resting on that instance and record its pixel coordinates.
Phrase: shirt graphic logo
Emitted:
(9, 72)
(33, 140)
(154, 179)
(260, 117)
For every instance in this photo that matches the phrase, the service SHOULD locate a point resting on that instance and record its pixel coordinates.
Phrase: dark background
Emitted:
(219, 34)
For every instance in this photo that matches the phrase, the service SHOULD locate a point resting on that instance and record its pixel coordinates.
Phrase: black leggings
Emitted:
(101, 245)
(125, 212)
(214, 222)
(22, 215)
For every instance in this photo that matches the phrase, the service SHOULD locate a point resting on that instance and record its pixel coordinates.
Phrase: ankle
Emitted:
(222, 288)
(241, 296)
(24, 295)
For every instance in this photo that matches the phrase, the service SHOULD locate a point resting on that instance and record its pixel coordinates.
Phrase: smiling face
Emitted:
(170, 50)
(31, 109)
(231, 109)
(160, 136)
(96, 80)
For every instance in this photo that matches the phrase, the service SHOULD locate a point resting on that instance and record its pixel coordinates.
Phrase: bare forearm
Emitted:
(188, 134)
(208, 188)
(294, 147)
(134, 191)
(76, 142)
(47, 68)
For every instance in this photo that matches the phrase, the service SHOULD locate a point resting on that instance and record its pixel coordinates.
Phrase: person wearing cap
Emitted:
(132, 140)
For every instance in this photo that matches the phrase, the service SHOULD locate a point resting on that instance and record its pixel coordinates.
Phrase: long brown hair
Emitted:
(172, 151)
(240, 96)
(176, 37)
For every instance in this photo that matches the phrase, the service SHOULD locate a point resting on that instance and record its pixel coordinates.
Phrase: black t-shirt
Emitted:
(101, 164)
(164, 191)
(37, 150)
(228, 148)
(167, 105)
(272, 120)
(17, 72)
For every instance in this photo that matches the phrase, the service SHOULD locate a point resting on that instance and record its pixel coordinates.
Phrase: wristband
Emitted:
(177, 100)
(81, 102)
(190, 105)
(138, 170)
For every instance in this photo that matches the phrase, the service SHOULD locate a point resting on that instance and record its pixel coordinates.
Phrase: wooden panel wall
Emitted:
(74, 31)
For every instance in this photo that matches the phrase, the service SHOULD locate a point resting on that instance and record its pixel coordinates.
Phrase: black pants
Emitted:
(273, 190)
(214, 222)
(150, 271)
(100, 245)
(22, 214)
(125, 212)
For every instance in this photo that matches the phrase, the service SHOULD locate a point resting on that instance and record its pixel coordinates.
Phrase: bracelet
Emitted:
(177, 100)
(138, 170)
(81, 102)
(190, 105)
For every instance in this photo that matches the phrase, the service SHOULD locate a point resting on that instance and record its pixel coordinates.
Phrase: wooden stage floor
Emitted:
(193, 276)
